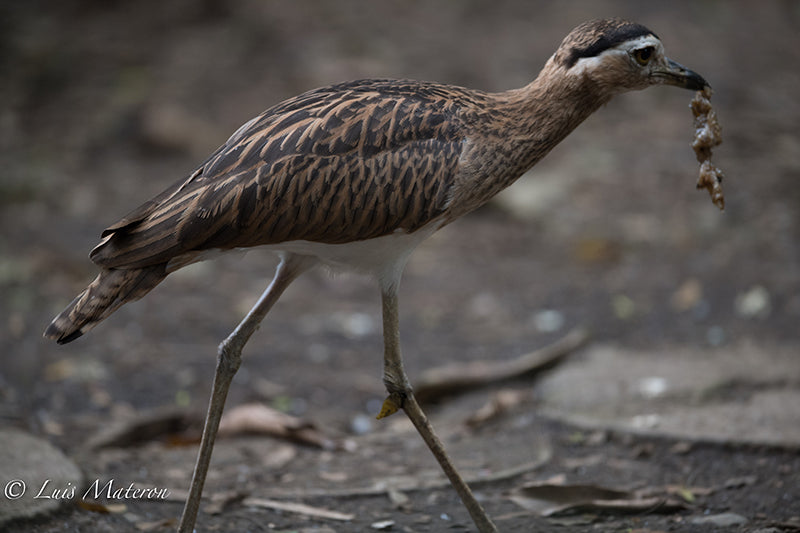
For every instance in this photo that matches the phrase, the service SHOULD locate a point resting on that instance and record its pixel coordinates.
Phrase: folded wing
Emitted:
(334, 165)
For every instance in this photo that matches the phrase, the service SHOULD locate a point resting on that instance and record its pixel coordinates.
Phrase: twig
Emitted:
(298, 508)
(454, 378)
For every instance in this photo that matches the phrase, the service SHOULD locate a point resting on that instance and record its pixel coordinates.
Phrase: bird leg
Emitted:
(228, 361)
(401, 396)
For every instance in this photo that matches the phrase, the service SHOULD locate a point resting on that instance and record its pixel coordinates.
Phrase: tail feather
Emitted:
(110, 289)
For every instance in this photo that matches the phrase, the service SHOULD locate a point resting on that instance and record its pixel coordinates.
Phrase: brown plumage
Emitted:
(345, 163)
(357, 174)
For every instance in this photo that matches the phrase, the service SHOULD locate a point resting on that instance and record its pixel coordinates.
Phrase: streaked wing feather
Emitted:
(334, 165)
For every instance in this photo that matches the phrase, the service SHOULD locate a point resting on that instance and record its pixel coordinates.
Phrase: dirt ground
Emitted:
(103, 104)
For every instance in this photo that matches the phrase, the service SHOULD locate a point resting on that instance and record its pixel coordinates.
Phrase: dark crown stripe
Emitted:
(592, 38)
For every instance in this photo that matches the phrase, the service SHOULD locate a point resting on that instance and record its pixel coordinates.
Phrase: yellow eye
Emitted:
(643, 55)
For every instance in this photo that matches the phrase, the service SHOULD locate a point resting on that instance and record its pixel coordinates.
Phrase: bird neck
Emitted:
(513, 130)
(549, 108)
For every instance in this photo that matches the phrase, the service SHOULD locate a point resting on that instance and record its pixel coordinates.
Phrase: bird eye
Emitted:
(643, 55)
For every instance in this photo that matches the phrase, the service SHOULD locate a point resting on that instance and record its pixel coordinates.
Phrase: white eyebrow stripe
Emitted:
(639, 42)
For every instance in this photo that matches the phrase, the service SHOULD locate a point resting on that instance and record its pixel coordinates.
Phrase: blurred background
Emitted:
(105, 103)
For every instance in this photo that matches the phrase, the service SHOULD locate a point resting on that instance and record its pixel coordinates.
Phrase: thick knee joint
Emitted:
(399, 391)
(396, 383)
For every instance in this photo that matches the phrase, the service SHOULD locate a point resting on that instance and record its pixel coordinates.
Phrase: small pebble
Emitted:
(548, 321)
(649, 421)
(358, 325)
(653, 387)
(361, 424)
(755, 303)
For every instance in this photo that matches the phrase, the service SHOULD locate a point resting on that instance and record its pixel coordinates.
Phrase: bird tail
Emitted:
(110, 289)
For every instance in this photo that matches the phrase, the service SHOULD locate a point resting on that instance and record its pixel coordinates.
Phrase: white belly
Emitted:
(383, 257)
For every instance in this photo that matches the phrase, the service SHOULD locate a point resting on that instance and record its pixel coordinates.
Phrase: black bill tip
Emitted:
(680, 76)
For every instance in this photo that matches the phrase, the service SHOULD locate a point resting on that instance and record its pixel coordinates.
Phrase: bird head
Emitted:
(619, 56)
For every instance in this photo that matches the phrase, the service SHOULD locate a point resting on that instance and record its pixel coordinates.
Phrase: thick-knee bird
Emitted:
(355, 176)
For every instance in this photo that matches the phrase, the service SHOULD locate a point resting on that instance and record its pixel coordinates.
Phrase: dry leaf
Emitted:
(739, 482)
(500, 402)
(278, 457)
(398, 498)
(159, 424)
(102, 508)
(261, 419)
(157, 525)
(624, 506)
(222, 500)
(547, 499)
(451, 379)
(335, 477)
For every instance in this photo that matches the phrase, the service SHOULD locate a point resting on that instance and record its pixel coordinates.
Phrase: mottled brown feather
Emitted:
(109, 290)
(333, 165)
